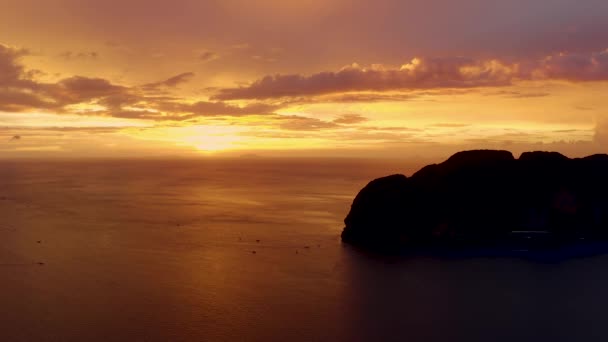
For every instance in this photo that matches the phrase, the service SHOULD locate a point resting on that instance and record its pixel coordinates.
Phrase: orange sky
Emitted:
(313, 78)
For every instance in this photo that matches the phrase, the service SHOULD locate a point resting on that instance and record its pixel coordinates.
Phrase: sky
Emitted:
(382, 78)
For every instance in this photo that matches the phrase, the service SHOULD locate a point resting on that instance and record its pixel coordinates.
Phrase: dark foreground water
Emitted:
(164, 251)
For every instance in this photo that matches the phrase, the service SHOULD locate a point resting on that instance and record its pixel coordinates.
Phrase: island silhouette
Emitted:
(485, 198)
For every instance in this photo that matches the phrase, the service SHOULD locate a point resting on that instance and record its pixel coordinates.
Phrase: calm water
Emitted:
(164, 251)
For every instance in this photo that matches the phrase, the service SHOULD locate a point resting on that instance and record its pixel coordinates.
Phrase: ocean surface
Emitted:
(249, 250)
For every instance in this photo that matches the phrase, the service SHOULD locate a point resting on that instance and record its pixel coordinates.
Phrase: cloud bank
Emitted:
(427, 73)
(21, 92)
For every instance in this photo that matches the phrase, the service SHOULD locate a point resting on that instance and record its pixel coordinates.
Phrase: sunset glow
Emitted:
(303, 170)
(326, 77)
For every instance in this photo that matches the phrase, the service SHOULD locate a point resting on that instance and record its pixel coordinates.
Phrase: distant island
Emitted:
(485, 198)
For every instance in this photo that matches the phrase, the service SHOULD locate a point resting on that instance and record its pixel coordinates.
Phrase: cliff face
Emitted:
(481, 197)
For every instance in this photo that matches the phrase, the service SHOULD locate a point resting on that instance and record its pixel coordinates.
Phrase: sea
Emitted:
(248, 249)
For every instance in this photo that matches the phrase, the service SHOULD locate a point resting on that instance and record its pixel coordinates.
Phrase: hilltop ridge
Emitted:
(484, 197)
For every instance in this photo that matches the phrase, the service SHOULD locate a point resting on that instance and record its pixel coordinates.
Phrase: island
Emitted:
(485, 198)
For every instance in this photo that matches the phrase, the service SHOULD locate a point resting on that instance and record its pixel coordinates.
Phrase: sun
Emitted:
(210, 138)
(214, 144)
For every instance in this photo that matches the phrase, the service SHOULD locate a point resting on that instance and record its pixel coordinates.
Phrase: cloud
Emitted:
(294, 126)
(22, 91)
(122, 99)
(171, 82)
(301, 123)
(349, 119)
(70, 55)
(298, 124)
(569, 131)
(426, 74)
(418, 74)
(208, 56)
(144, 114)
(206, 108)
(172, 109)
(19, 92)
(11, 72)
(575, 67)
(15, 100)
(375, 96)
(366, 97)
(58, 130)
(519, 94)
(79, 89)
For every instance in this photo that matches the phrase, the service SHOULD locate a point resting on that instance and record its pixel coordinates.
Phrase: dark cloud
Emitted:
(576, 66)
(301, 123)
(171, 82)
(171, 109)
(16, 100)
(350, 119)
(20, 93)
(80, 89)
(14, 78)
(70, 55)
(11, 72)
(427, 73)
(208, 56)
(418, 74)
(161, 109)
(119, 100)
